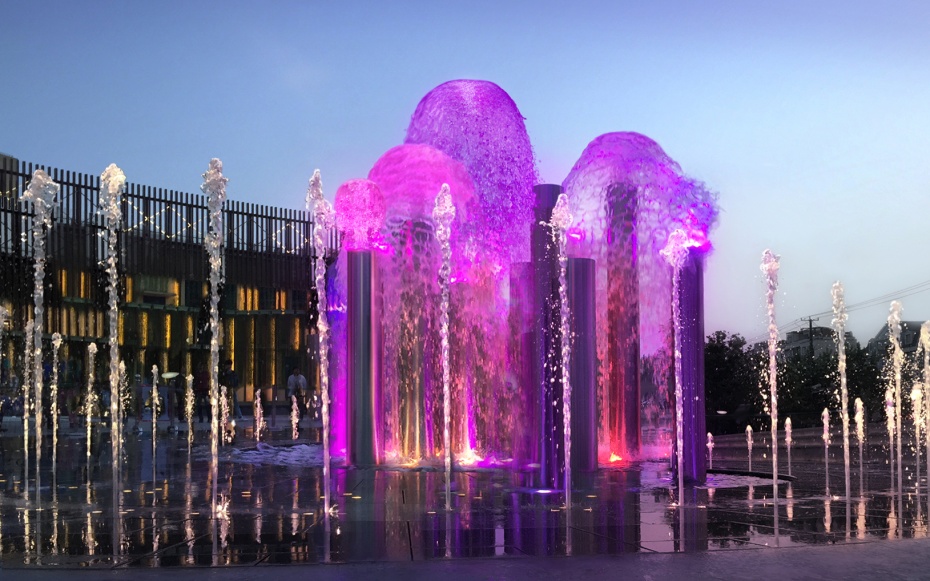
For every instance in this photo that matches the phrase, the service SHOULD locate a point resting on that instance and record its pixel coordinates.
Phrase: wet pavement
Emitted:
(391, 523)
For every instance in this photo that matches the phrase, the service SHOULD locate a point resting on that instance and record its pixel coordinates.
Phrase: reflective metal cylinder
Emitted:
(691, 302)
(581, 299)
(623, 365)
(363, 342)
(547, 346)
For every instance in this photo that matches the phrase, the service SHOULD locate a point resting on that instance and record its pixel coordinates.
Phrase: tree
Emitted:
(731, 383)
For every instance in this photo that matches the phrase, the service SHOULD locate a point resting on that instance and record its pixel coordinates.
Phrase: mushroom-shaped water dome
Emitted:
(665, 198)
(410, 176)
(479, 125)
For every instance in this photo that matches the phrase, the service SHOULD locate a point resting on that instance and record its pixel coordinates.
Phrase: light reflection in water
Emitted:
(827, 516)
(90, 539)
(860, 519)
(892, 521)
(295, 516)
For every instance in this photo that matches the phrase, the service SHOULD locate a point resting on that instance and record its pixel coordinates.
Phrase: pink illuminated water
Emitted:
(409, 177)
(359, 210)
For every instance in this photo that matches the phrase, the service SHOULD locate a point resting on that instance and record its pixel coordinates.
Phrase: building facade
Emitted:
(267, 303)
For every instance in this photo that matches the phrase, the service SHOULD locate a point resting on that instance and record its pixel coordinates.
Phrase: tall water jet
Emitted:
(214, 186)
(559, 223)
(788, 442)
(839, 329)
(917, 415)
(443, 215)
(227, 436)
(189, 409)
(749, 445)
(925, 347)
(295, 418)
(258, 415)
(627, 197)
(323, 222)
(897, 358)
(860, 437)
(825, 417)
(56, 345)
(156, 409)
(359, 207)
(769, 268)
(889, 426)
(112, 185)
(27, 401)
(41, 193)
(90, 398)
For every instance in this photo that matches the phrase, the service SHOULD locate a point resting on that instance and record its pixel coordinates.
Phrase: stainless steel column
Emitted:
(691, 301)
(581, 298)
(363, 405)
(623, 368)
(546, 345)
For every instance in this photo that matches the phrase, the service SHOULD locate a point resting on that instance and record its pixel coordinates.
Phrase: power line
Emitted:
(798, 323)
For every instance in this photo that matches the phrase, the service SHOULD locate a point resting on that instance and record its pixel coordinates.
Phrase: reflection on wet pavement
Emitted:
(273, 510)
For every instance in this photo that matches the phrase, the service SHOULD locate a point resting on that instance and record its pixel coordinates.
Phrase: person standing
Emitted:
(297, 387)
(202, 393)
(230, 379)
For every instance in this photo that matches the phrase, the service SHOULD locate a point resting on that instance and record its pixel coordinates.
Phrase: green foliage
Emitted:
(736, 381)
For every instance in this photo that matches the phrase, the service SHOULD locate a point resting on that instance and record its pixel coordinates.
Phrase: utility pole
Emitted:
(810, 333)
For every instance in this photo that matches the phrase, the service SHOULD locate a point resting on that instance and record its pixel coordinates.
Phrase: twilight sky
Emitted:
(811, 119)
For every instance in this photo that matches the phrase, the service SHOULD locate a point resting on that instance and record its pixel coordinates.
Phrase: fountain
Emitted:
(917, 416)
(897, 358)
(443, 215)
(525, 352)
(41, 194)
(214, 186)
(749, 445)
(860, 437)
(889, 426)
(839, 328)
(710, 450)
(770, 266)
(788, 442)
(825, 417)
(925, 347)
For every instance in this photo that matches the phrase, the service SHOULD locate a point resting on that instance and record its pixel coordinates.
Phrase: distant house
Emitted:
(880, 345)
(822, 339)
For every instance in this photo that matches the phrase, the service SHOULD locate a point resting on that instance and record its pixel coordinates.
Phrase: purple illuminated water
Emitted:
(471, 136)
(477, 124)
(627, 197)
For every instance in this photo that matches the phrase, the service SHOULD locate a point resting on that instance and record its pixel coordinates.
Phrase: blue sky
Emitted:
(811, 119)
